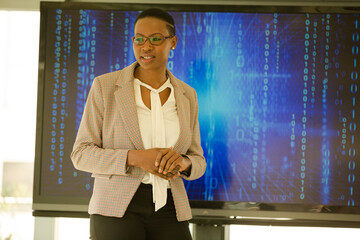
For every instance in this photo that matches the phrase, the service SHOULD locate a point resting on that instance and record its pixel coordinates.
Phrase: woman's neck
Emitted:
(154, 78)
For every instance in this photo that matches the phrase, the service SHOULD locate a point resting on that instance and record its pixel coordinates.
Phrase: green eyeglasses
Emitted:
(155, 39)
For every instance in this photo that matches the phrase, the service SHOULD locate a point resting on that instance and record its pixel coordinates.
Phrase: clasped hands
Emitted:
(163, 162)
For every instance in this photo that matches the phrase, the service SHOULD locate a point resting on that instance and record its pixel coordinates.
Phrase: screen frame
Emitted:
(214, 212)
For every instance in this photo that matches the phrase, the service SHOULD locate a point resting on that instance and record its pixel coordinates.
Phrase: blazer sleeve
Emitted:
(195, 151)
(88, 153)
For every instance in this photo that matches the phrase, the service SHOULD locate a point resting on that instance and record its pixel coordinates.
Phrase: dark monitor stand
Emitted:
(203, 231)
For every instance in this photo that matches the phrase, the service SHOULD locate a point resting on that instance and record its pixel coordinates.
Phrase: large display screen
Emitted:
(279, 99)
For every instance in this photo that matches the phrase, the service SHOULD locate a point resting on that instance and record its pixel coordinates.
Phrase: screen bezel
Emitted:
(203, 211)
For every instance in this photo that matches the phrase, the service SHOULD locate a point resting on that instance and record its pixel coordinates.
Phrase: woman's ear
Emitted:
(174, 42)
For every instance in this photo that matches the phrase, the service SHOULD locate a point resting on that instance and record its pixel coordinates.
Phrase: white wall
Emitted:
(21, 5)
(34, 5)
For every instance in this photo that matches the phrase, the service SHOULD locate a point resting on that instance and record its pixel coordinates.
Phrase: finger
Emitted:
(164, 160)
(185, 163)
(169, 175)
(177, 175)
(162, 151)
(175, 171)
(172, 162)
(166, 152)
(161, 175)
(158, 158)
(173, 176)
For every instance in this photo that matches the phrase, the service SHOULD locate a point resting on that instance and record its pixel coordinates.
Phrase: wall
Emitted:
(34, 5)
(21, 5)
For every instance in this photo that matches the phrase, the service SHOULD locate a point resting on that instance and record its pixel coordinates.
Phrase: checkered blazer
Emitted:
(109, 129)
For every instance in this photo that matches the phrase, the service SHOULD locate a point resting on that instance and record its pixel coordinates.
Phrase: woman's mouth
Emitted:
(147, 59)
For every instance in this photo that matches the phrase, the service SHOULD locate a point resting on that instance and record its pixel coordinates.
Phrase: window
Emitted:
(19, 46)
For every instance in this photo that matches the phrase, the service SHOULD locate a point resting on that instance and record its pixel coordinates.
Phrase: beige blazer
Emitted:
(109, 129)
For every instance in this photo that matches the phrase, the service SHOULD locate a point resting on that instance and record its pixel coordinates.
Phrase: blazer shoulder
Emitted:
(110, 77)
(188, 90)
(118, 77)
(184, 86)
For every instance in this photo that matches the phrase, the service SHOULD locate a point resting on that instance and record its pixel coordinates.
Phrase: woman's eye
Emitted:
(156, 39)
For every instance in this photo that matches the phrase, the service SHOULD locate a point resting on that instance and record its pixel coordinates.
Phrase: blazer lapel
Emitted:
(125, 98)
(183, 108)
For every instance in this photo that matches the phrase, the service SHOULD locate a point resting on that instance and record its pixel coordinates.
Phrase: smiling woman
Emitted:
(140, 144)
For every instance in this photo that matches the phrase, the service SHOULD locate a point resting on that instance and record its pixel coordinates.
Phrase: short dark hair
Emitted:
(160, 14)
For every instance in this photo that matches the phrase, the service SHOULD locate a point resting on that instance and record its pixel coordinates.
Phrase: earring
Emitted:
(173, 48)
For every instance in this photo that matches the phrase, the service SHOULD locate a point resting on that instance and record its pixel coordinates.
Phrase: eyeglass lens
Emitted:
(154, 40)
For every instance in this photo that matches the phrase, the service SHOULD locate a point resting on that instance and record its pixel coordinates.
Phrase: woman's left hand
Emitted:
(172, 163)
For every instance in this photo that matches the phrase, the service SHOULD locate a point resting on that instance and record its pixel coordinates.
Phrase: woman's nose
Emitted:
(147, 45)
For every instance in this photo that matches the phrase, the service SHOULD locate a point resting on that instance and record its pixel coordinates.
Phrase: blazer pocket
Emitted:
(101, 176)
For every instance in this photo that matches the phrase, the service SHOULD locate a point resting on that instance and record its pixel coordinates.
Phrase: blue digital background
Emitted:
(278, 99)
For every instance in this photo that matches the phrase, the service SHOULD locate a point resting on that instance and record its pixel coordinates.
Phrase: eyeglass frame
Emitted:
(148, 38)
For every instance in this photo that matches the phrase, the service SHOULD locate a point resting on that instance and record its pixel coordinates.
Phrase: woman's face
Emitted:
(152, 57)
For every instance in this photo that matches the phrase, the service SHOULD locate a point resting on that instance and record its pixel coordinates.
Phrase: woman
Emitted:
(139, 136)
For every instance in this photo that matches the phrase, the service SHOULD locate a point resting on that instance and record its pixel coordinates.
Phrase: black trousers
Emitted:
(141, 222)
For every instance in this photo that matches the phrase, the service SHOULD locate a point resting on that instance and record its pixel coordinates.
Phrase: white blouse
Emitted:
(159, 128)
